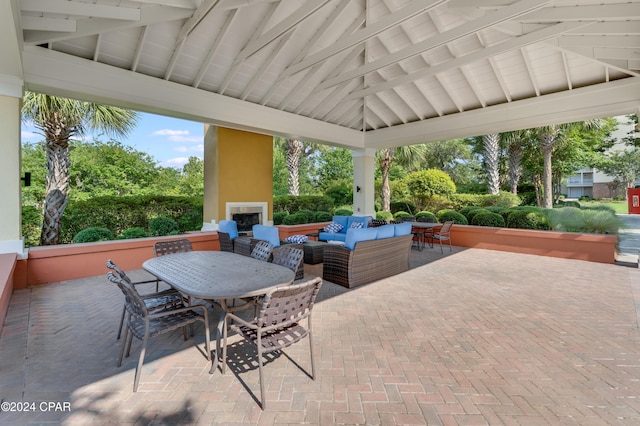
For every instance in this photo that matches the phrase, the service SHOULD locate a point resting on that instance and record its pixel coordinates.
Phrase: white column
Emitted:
(10, 190)
(364, 162)
(211, 208)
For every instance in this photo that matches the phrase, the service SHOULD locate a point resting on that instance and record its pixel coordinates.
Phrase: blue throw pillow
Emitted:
(356, 225)
(342, 220)
(364, 220)
(267, 233)
(229, 227)
(333, 227)
(355, 235)
(297, 239)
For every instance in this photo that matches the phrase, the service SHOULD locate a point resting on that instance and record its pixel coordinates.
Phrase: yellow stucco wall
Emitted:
(245, 168)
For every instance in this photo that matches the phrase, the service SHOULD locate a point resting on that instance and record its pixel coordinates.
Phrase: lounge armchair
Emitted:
(227, 234)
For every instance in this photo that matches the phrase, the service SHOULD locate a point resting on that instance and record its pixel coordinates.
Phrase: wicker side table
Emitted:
(313, 252)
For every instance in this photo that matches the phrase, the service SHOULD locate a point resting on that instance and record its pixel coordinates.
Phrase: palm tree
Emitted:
(408, 156)
(60, 120)
(549, 137)
(491, 145)
(515, 150)
(294, 149)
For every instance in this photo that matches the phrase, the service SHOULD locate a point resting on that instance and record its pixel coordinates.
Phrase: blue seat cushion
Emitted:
(332, 236)
(362, 234)
(385, 231)
(402, 229)
(229, 227)
(267, 233)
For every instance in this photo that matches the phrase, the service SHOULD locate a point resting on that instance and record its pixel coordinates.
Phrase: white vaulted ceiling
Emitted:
(359, 73)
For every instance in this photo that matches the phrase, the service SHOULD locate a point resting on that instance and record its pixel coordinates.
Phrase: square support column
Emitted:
(10, 191)
(364, 162)
(238, 167)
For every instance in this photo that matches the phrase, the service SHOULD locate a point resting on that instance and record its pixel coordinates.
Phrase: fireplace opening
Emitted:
(246, 221)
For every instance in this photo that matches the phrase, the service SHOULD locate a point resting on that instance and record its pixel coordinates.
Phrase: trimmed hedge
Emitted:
(527, 219)
(447, 215)
(93, 234)
(427, 216)
(131, 233)
(120, 213)
(487, 218)
(159, 226)
(292, 203)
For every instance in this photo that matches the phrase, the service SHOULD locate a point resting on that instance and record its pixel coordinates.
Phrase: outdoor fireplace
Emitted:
(247, 214)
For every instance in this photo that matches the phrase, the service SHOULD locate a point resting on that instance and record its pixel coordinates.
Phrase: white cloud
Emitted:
(196, 148)
(29, 135)
(180, 136)
(177, 162)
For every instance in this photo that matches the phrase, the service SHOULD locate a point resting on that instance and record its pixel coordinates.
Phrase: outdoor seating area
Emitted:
(448, 341)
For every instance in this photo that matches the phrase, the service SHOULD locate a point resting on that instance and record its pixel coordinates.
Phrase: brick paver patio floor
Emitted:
(471, 338)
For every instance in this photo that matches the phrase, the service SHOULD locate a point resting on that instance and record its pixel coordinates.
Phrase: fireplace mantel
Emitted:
(249, 207)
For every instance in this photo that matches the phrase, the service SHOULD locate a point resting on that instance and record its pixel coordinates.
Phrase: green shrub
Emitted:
(487, 218)
(120, 213)
(295, 219)
(466, 209)
(600, 207)
(468, 200)
(496, 209)
(340, 193)
(439, 202)
(278, 217)
(159, 226)
(528, 198)
(308, 214)
(93, 234)
(293, 203)
(426, 216)
(131, 233)
(322, 217)
(447, 215)
(401, 215)
(569, 219)
(562, 203)
(527, 219)
(402, 206)
(471, 214)
(384, 216)
(502, 199)
(601, 222)
(344, 212)
(31, 225)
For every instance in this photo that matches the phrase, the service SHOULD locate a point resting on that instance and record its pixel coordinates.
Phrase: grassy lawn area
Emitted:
(618, 206)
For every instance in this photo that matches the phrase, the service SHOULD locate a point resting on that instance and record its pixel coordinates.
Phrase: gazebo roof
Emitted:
(354, 73)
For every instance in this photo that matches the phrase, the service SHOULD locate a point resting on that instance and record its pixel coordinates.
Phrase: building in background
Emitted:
(590, 182)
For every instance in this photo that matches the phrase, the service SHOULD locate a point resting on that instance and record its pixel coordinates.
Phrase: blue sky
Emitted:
(169, 141)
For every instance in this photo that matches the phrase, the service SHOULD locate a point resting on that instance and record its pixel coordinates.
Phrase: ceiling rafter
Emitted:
(448, 92)
(41, 23)
(456, 33)
(529, 68)
(94, 26)
(312, 42)
(174, 59)
(267, 64)
(96, 50)
(501, 81)
(214, 47)
(138, 52)
(236, 64)
(238, 4)
(567, 71)
(475, 88)
(281, 28)
(333, 97)
(512, 44)
(198, 15)
(370, 31)
(334, 114)
(355, 53)
(621, 11)
(77, 8)
(186, 4)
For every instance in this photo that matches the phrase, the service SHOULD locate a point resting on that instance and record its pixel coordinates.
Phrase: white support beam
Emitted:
(618, 97)
(632, 41)
(621, 11)
(193, 21)
(281, 28)
(512, 44)
(456, 33)
(186, 4)
(60, 74)
(40, 23)
(214, 48)
(11, 72)
(70, 7)
(372, 30)
(89, 27)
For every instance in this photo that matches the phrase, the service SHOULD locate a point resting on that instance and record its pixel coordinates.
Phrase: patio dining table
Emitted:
(218, 276)
(421, 229)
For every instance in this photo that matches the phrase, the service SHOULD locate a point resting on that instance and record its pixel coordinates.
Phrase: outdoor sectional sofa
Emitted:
(368, 255)
(346, 223)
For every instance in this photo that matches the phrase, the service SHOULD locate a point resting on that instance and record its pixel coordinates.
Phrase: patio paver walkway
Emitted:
(472, 338)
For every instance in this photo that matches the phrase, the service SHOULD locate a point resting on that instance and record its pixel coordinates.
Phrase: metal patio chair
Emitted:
(288, 256)
(443, 234)
(277, 324)
(162, 248)
(262, 250)
(145, 324)
(153, 301)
